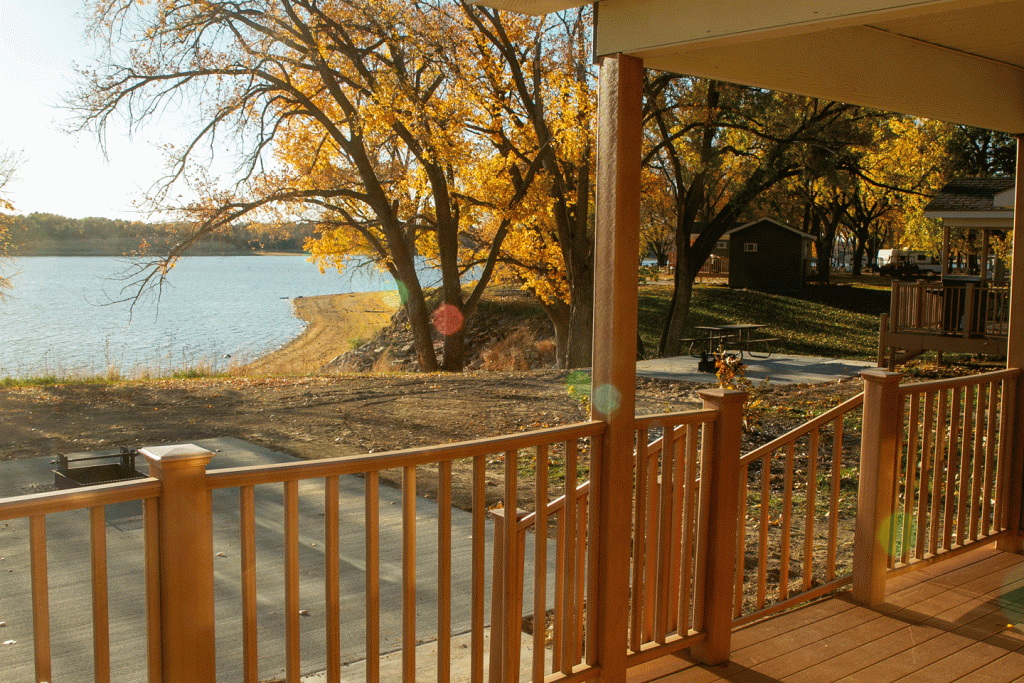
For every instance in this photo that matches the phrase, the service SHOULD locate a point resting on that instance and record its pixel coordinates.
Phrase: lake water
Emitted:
(59, 317)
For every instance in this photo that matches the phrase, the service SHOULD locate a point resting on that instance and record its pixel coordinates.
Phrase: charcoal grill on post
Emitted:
(68, 477)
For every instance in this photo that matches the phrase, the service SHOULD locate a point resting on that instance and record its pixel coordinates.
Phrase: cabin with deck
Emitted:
(967, 311)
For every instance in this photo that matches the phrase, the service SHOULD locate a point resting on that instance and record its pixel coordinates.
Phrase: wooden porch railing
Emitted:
(962, 310)
(795, 500)
(932, 482)
(670, 533)
(670, 558)
(85, 507)
(534, 450)
(933, 474)
(715, 267)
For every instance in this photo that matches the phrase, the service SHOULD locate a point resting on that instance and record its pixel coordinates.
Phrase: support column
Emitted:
(616, 266)
(1015, 357)
(186, 563)
(879, 439)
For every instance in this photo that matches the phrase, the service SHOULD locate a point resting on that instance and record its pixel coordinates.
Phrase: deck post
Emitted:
(616, 271)
(880, 436)
(186, 563)
(723, 467)
(1015, 359)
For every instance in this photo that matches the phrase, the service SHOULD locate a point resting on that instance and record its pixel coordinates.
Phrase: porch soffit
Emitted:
(953, 60)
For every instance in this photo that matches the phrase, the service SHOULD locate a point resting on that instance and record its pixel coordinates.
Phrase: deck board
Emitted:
(961, 619)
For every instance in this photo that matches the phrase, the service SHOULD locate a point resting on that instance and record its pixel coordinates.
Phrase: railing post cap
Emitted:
(719, 395)
(880, 375)
(183, 453)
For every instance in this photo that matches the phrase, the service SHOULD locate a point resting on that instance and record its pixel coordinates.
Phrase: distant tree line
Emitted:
(48, 234)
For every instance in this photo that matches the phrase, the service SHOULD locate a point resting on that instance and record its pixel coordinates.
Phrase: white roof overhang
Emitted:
(975, 220)
(953, 60)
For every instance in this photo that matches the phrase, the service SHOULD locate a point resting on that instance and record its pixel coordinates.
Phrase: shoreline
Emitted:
(335, 323)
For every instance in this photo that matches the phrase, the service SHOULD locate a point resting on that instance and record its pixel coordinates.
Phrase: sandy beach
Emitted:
(335, 323)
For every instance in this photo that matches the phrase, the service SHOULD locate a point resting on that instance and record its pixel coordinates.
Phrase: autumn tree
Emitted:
(346, 112)
(980, 153)
(539, 83)
(900, 171)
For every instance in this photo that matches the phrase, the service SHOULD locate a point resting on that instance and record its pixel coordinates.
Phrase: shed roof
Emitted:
(772, 221)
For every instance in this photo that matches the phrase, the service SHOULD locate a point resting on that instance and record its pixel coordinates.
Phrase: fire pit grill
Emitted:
(68, 477)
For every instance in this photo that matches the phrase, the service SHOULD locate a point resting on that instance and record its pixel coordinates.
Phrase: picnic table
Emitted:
(736, 338)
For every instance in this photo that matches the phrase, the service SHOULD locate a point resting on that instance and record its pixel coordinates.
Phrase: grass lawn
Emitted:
(833, 321)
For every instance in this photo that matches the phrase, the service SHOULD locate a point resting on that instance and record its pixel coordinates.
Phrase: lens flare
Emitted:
(447, 319)
(607, 399)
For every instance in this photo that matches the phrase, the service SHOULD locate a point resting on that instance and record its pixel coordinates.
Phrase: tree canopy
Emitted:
(356, 115)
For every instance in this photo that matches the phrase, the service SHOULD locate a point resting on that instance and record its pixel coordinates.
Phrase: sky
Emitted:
(41, 41)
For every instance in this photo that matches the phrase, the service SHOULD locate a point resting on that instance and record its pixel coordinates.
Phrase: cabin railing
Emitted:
(934, 472)
(964, 309)
(29, 624)
(669, 557)
(797, 499)
(569, 446)
(715, 267)
(710, 528)
(671, 522)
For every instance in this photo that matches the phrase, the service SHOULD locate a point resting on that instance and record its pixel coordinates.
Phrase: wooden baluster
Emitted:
(40, 597)
(952, 468)
(810, 494)
(926, 474)
(540, 561)
(640, 487)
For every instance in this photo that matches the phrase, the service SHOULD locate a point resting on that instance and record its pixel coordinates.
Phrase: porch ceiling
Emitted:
(953, 60)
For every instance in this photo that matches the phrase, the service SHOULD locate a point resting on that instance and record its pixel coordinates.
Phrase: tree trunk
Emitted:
(581, 324)
(560, 313)
(858, 256)
(419, 324)
(678, 312)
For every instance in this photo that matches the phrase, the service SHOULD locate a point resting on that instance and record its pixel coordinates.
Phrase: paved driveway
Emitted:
(778, 369)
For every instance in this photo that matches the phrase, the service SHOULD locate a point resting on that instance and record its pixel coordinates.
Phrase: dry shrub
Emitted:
(520, 350)
(546, 351)
(383, 363)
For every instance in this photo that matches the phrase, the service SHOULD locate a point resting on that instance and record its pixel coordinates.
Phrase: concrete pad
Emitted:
(777, 369)
(70, 596)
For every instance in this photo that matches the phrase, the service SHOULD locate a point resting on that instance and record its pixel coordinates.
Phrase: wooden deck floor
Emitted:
(955, 621)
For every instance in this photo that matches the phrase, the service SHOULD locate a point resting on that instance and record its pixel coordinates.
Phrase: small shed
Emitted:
(768, 256)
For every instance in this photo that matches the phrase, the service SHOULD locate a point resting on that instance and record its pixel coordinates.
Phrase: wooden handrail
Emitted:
(413, 457)
(78, 499)
(806, 428)
(675, 419)
(958, 382)
(554, 506)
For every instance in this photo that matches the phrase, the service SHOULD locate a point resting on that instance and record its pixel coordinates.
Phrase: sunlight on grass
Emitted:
(834, 321)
